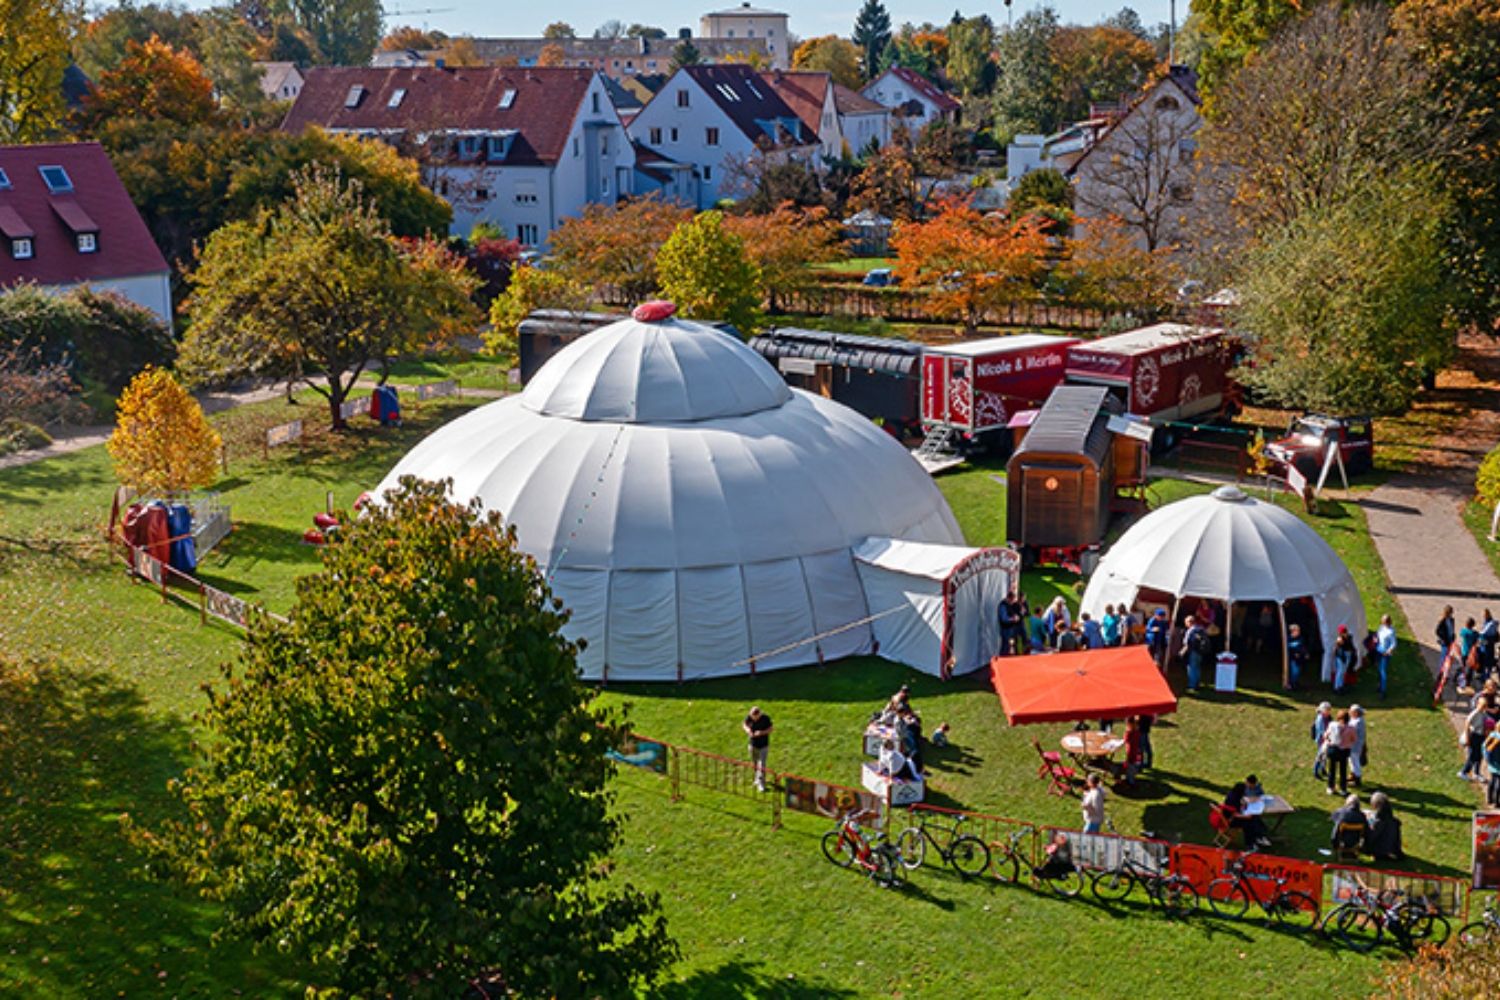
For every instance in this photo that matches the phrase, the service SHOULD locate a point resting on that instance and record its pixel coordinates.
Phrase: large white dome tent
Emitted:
(695, 515)
(1227, 546)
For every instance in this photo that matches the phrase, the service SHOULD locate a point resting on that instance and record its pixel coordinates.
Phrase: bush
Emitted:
(1456, 972)
(1487, 487)
(99, 337)
(17, 435)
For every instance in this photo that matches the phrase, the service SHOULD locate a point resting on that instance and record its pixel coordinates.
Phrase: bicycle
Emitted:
(1173, 893)
(1362, 922)
(1065, 879)
(1486, 928)
(847, 846)
(1230, 896)
(963, 852)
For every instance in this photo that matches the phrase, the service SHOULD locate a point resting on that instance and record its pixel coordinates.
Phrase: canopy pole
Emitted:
(1171, 636)
(1229, 626)
(1286, 659)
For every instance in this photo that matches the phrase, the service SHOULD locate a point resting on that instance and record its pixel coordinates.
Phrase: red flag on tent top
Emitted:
(1071, 687)
(654, 311)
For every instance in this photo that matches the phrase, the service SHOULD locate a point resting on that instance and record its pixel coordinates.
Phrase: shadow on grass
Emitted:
(39, 483)
(79, 918)
(746, 979)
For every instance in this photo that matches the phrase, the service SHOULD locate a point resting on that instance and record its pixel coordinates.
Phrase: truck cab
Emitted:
(1308, 436)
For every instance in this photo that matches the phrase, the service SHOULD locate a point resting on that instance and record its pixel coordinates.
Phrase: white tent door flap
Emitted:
(975, 620)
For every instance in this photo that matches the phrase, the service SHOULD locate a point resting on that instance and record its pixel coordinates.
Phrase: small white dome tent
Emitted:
(1227, 546)
(694, 514)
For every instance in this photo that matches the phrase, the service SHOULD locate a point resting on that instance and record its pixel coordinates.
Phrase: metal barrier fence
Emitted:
(211, 603)
(1443, 893)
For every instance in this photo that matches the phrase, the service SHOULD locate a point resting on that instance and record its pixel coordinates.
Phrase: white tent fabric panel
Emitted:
(1340, 605)
(642, 642)
(837, 601)
(909, 628)
(911, 558)
(976, 619)
(585, 596)
(711, 613)
(780, 614)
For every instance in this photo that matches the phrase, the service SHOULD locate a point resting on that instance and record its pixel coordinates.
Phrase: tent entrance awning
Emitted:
(1070, 687)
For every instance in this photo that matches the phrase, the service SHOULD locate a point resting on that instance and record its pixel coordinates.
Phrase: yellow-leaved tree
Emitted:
(162, 440)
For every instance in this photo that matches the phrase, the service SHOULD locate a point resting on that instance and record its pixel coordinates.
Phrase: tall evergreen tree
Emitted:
(872, 33)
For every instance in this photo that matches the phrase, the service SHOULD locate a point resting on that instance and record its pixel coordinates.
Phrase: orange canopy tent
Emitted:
(1094, 684)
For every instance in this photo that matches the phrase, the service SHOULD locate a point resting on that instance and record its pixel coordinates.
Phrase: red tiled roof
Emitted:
(754, 104)
(98, 203)
(542, 111)
(804, 92)
(852, 102)
(916, 81)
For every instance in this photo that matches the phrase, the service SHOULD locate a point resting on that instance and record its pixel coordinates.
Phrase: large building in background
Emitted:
(618, 58)
(67, 221)
(753, 23)
(522, 149)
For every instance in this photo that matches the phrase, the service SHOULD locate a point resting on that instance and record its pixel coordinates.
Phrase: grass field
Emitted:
(758, 912)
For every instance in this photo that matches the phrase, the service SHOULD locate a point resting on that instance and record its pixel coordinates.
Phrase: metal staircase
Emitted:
(937, 451)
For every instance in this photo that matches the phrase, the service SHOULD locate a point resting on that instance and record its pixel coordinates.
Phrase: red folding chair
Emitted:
(1060, 778)
(1224, 831)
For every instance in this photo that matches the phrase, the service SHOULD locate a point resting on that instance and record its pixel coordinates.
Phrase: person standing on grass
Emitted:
(1492, 761)
(1057, 611)
(1109, 626)
(1144, 724)
(1489, 636)
(1093, 804)
(1093, 635)
(1156, 638)
(757, 726)
(1447, 629)
(1297, 656)
(1345, 658)
(1319, 728)
(1472, 740)
(1338, 738)
(1195, 649)
(1385, 647)
(1133, 755)
(1468, 642)
(1358, 752)
(1011, 638)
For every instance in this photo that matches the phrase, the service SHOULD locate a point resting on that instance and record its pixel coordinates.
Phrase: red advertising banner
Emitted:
(1486, 850)
(1201, 865)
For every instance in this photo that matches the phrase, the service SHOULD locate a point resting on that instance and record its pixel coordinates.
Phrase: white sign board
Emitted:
(1295, 479)
(797, 366)
(1138, 429)
(283, 434)
(1335, 455)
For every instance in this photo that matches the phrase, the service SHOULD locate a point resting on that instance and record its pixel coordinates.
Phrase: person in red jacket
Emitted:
(1134, 755)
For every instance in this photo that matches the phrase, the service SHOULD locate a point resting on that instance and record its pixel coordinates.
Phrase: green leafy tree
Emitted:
(559, 29)
(685, 53)
(1028, 86)
(530, 289)
(872, 33)
(970, 66)
(838, 57)
(101, 43)
(407, 784)
(35, 41)
(703, 267)
(648, 31)
(1043, 192)
(345, 32)
(319, 290)
(1237, 29)
(1349, 304)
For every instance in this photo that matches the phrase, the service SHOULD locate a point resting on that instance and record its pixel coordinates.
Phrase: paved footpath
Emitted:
(1416, 522)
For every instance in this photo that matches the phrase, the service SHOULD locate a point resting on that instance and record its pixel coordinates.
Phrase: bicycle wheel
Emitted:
(1067, 883)
(1177, 896)
(1113, 886)
(1356, 927)
(1004, 864)
(838, 848)
(1295, 910)
(912, 843)
(1227, 898)
(889, 870)
(1417, 924)
(969, 856)
(1478, 933)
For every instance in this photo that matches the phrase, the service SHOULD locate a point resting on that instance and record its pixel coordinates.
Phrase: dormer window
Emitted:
(21, 249)
(396, 98)
(508, 98)
(355, 95)
(88, 242)
(56, 179)
(4, 181)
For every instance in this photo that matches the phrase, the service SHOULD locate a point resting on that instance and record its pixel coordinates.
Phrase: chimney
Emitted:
(440, 63)
(685, 33)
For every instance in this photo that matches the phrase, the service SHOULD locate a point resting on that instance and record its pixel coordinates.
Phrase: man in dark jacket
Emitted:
(1350, 827)
(1156, 637)
(1383, 842)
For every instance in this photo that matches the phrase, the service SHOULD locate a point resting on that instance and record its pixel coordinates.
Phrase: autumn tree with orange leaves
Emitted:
(970, 263)
(782, 243)
(616, 244)
(1104, 264)
(153, 82)
(162, 441)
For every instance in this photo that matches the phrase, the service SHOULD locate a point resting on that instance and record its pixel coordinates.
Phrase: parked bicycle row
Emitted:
(1364, 918)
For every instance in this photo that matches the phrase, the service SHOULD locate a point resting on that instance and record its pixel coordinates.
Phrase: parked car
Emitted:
(880, 277)
(1308, 437)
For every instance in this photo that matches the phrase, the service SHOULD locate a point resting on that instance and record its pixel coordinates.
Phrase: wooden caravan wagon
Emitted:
(1061, 480)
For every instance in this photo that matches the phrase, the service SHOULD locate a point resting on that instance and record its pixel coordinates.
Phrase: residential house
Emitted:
(810, 95)
(714, 117)
(1141, 167)
(67, 221)
(911, 98)
(520, 148)
(618, 58)
(660, 175)
(280, 81)
(402, 58)
(755, 23)
(863, 123)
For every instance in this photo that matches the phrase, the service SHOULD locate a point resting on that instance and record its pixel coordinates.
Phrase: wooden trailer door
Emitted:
(1053, 507)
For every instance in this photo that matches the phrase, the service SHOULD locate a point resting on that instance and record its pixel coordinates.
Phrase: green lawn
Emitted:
(855, 265)
(758, 912)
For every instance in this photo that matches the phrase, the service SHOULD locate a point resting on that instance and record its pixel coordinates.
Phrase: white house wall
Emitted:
(692, 124)
(860, 129)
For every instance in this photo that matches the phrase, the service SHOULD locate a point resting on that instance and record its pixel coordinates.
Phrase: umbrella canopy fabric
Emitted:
(1068, 687)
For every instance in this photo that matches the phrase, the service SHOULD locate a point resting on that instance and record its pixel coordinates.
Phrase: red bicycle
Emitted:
(847, 846)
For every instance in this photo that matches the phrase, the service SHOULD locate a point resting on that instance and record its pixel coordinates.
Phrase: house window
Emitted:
(604, 183)
(731, 33)
(575, 146)
(526, 233)
(525, 196)
(508, 98)
(56, 179)
(750, 33)
(443, 187)
(604, 145)
(21, 249)
(682, 98)
(355, 95)
(708, 173)
(481, 194)
(396, 98)
(88, 242)
(1167, 103)
(595, 101)
(674, 135)
(711, 136)
(656, 137)
(4, 181)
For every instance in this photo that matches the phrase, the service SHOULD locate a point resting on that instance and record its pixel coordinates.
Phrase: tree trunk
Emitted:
(336, 393)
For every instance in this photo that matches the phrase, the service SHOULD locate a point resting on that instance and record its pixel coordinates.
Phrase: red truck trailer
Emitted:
(973, 387)
(1170, 371)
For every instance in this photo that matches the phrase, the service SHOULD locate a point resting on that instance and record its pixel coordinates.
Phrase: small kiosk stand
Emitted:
(1227, 673)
